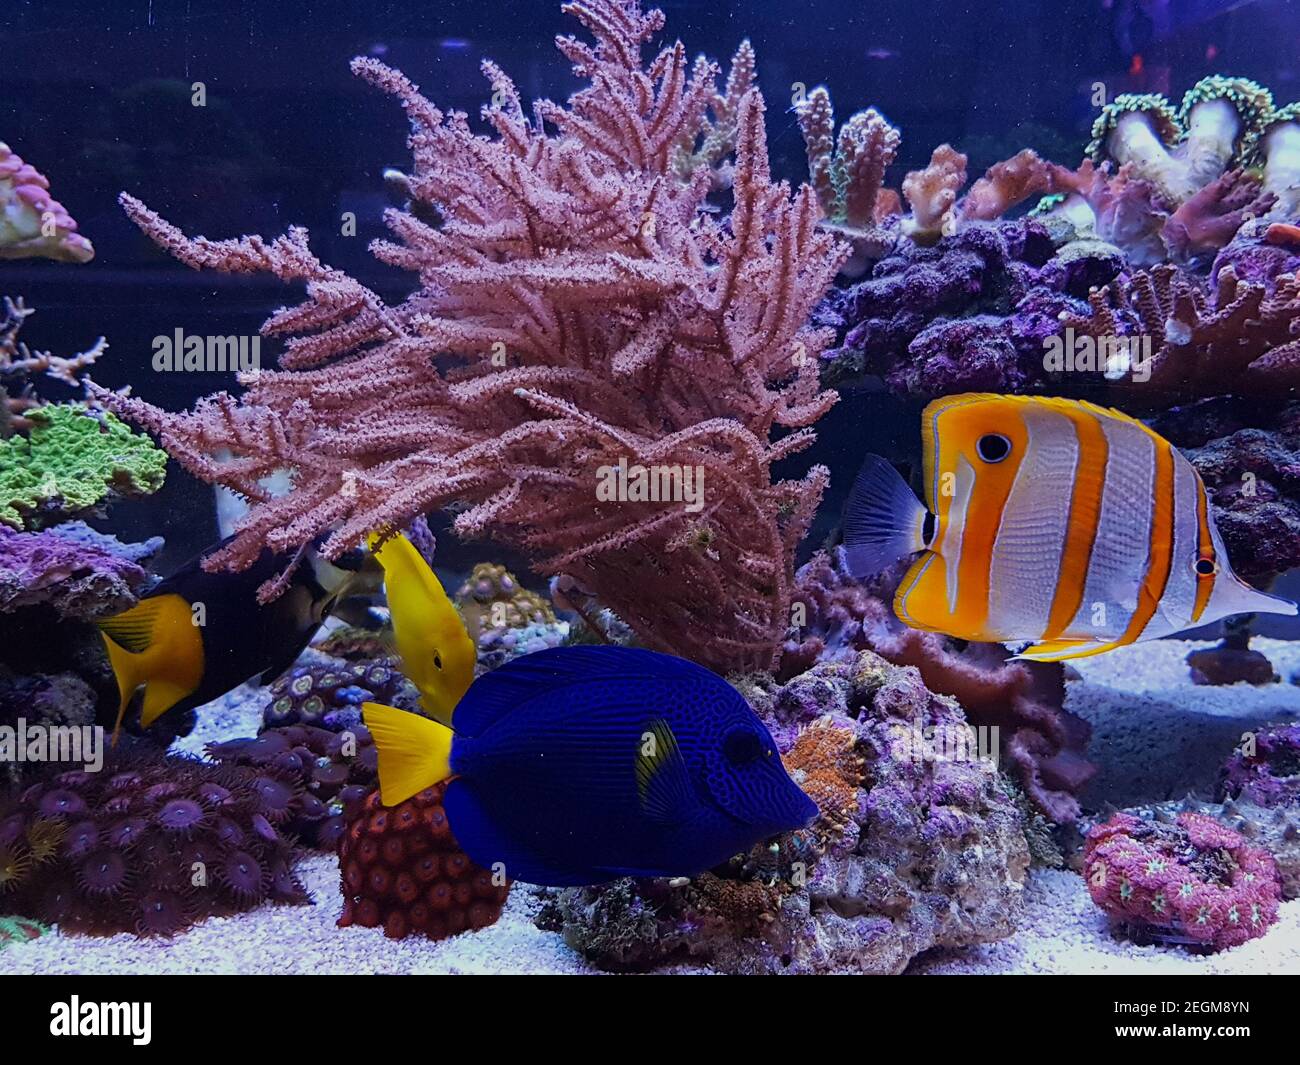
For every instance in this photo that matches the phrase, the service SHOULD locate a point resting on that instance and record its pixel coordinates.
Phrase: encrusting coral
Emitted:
(401, 869)
(577, 312)
(71, 460)
(148, 845)
(1194, 882)
(915, 846)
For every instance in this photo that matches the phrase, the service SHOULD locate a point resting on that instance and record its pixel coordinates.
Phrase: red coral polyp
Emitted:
(1194, 881)
(399, 871)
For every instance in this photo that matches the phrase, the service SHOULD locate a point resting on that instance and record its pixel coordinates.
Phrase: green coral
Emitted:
(19, 930)
(1253, 102)
(1165, 122)
(71, 460)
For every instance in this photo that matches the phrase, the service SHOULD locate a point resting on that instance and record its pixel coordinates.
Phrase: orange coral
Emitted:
(826, 763)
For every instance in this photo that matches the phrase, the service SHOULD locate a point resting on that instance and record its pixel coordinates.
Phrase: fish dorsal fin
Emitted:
(662, 781)
(496, 694)
(414, 751)
(883, 520)
(133, 630)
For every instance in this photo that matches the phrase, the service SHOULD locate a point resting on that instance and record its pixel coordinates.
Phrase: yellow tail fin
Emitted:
(156, 643)
(414, 752)
(437, 654)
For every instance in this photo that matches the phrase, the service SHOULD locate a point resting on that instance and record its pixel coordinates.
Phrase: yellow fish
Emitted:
(1052, 521)
(438, 656)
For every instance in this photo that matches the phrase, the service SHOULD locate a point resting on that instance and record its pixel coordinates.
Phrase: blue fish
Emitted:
(578, 765)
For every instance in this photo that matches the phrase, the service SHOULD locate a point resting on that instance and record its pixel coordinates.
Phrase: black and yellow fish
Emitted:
(198, 635)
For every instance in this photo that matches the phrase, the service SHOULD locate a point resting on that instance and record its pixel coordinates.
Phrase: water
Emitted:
(243, 118)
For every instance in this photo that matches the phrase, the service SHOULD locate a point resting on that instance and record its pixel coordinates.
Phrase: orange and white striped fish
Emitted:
(1052, 521)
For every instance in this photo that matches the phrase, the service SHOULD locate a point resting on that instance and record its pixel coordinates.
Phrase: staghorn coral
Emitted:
(401, 869)
(714, 143)
(908, 852)
(1202, 338)
(79, 573)
(19, 364)
(330, 773)
(72, 460)
(1044, 743)
(1194, 882)
(848, 173)
(1265, 768)
(631, 327)
(149, 846)
(32, 223)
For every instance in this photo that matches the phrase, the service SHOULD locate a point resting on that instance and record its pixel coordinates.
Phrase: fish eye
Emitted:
(437, 660)
(742, 746)
(993, 447)
(1206, 567)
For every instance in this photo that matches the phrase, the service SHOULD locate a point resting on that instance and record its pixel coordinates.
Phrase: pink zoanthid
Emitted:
(1192, 881)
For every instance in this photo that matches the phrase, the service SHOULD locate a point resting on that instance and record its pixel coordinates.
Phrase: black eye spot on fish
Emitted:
(1206, 567)
(928, 528)
(437, 660)
(742, 746)
(993, 447)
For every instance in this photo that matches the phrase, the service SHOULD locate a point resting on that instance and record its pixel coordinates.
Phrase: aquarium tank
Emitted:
(611, 486)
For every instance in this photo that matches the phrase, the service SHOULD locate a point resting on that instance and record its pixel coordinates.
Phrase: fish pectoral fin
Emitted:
(414, 752)
(662, 779)
(883, 520)
(160, 695)
(1060, 650)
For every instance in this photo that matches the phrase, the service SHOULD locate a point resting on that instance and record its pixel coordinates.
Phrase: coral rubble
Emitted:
(912, 849)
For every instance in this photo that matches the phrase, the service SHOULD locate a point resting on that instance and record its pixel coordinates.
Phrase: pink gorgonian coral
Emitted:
(1195, 881)
(576, 307)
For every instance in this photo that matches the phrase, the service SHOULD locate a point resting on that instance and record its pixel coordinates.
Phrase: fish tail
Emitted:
(414, 751)
(884, 522)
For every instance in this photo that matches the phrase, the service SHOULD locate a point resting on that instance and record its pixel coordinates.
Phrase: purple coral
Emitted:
(1265, 769)
(72, 568)
(138, 848)
(970, 313)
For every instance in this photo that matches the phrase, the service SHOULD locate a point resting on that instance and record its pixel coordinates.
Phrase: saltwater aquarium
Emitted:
(605, 487)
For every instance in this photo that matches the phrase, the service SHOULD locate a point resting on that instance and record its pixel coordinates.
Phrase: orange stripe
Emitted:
(1081, 530)
(1162, 539)
(1204, 549)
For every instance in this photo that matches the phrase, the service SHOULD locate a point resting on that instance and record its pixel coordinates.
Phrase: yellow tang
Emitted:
(1053, 521)
(437, 654)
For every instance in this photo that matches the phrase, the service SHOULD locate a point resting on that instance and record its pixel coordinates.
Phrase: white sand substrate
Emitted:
(1060, 931)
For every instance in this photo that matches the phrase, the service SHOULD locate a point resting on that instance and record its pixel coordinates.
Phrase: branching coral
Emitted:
(848, 173)
(32, 223)
(148, 846)
(401, 869)
(588, 313)
(1195, 882)
(1203, 339)
(713, 145)
(18, 364)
